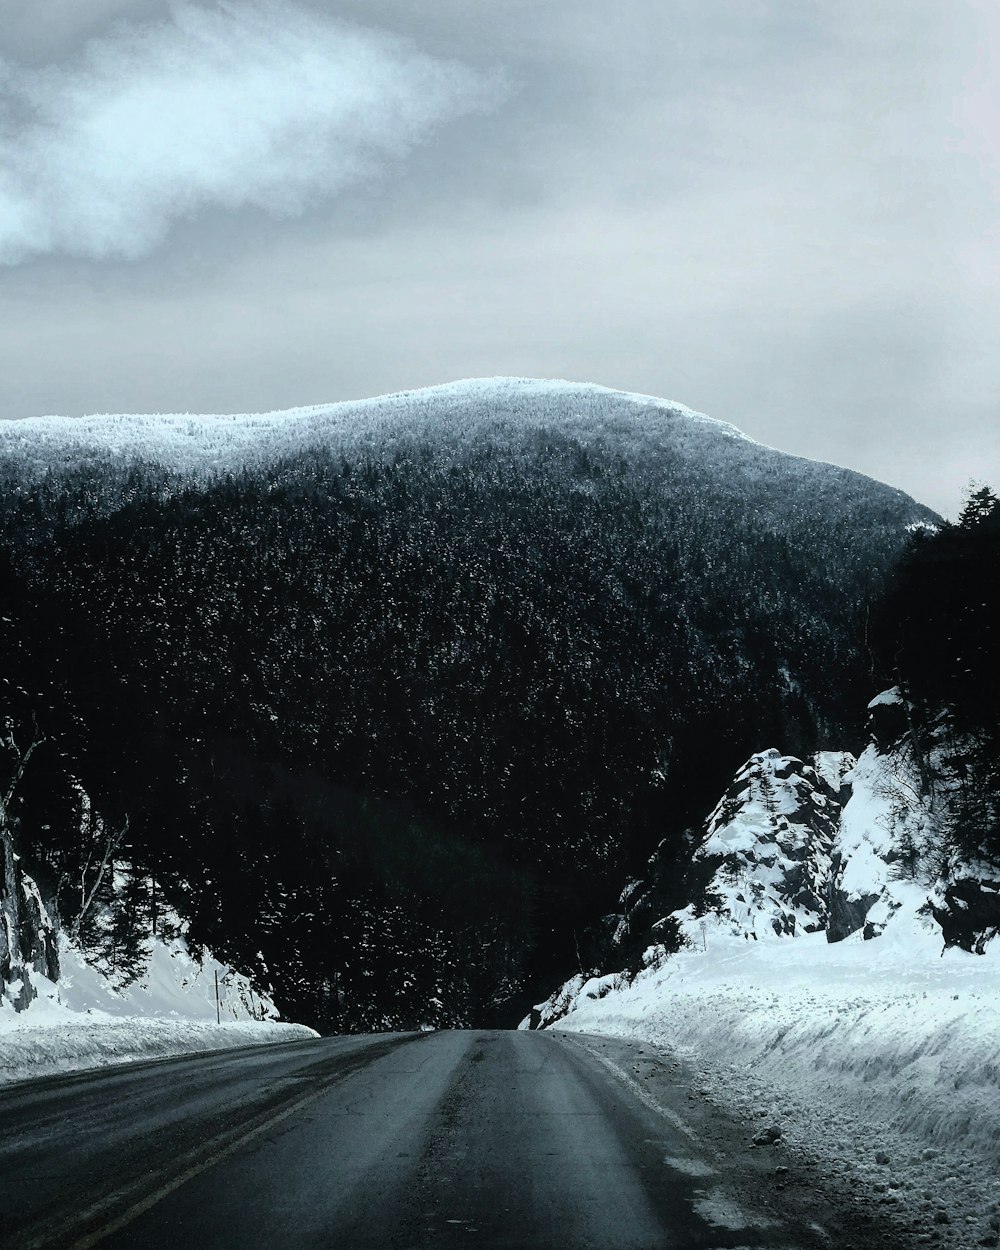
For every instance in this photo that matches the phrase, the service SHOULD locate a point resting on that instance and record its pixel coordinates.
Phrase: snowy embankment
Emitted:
(70, 1045)
(82, 1021)
(815, 993)
(881, 1057)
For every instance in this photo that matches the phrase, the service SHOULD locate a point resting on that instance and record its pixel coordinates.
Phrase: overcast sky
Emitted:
(781, 212)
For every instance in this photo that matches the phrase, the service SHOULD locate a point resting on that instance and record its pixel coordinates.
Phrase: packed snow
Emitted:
(878, 1053)
(66, 1044)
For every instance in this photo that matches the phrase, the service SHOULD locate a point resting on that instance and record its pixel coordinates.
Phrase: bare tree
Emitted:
(21, 759)
(100, 857)
(26, 930)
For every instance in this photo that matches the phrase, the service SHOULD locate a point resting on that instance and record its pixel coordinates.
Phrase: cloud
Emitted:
(245, 104)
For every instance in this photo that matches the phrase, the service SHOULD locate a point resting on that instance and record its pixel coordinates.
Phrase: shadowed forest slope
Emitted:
(392, 694)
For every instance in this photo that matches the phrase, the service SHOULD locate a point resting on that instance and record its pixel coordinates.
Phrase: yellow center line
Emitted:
(199, 1159)
(150, 1200)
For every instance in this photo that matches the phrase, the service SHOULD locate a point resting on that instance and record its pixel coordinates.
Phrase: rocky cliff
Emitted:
(28, 931)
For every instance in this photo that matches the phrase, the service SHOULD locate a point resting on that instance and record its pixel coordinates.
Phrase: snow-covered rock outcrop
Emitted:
(28, 931)
(832, 846)
(771, 848)
(834, 968)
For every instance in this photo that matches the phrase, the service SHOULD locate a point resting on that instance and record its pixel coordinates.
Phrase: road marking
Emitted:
(639, 1092)
(647, 1099)
(146, 1204)
(198, 1160)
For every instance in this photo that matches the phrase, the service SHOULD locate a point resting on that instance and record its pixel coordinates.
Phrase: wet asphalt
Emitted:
(446, 1140)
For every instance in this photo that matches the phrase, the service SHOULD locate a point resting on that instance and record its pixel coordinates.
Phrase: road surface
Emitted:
(443, 1140)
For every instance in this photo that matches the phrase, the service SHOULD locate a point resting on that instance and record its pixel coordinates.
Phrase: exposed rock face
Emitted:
(28, 933)
(846, 915)
(969, 913)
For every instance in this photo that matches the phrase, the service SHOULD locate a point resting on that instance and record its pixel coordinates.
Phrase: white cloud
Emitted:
(245, 104)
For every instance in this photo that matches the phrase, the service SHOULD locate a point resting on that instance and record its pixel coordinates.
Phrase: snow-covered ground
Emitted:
(71, 1044)
(82, 1021)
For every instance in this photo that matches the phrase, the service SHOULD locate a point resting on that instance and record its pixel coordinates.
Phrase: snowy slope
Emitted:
(81, 1021)
(61, 1012)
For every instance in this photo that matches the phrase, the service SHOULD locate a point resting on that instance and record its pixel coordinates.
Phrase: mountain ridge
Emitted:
(174, 436)
(502, 385)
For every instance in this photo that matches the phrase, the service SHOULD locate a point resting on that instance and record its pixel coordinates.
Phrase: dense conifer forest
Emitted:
(388, 720)
(937, 636)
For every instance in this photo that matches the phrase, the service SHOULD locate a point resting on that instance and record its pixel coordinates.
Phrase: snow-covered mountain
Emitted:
(364, 663)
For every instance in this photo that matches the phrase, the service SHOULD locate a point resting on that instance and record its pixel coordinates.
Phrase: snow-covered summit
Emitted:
(187, 441)
(452, 420)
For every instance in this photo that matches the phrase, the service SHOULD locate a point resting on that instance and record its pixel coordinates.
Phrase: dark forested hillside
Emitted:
(390, 698)
(937, 634)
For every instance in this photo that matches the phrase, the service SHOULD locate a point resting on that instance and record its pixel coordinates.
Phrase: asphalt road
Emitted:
(451, 1139)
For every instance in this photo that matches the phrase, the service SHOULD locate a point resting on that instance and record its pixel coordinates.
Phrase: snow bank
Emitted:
(883, 1053)
(69, 1044)
(908, 1043)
